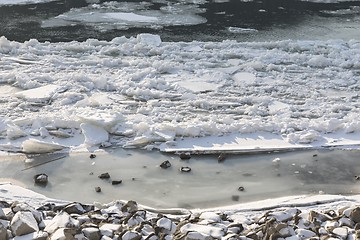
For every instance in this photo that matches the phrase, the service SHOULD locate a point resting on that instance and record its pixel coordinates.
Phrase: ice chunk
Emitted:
(130, 17)
(5, 46)
(149, 39)
(244, 78)
(94, 135)
(36, 146)
(40, 94)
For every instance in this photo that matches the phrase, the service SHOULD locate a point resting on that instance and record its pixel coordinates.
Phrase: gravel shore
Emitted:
(127, 220)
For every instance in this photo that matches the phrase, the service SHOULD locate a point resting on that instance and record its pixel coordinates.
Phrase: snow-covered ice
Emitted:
(22, 2)
(124, 15)
(138, 90)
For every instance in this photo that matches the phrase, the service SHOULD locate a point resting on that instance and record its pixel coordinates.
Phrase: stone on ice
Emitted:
(23, 223)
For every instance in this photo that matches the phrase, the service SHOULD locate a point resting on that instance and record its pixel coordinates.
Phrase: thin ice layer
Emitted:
(142, 89)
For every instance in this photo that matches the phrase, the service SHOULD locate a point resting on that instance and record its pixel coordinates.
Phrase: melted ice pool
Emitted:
(209, 184)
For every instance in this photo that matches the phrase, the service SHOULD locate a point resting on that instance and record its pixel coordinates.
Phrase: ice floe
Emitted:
(124, 15)
(141, 91)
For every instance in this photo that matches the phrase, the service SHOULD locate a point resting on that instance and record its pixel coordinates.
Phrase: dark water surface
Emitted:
(274, 20)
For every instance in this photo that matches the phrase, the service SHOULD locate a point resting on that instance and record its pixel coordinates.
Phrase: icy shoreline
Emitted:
(142, 92)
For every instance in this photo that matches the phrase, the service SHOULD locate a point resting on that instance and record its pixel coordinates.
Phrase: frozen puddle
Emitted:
(240, 178)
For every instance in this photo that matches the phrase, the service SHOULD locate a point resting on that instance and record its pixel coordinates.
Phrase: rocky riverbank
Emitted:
(129, 221)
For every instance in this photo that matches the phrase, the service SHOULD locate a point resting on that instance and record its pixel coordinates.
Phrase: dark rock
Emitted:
(357, 177)
(241, 189)
(74, 208)
(92, 156)
(97, 189)
(185, 156)
(185, 169)
(235, 198)
(104, 176)
(166, 164)
(130, 206)
(116, 182)
(41, 179)
(222, 157)
(355, 215)
(315, 155)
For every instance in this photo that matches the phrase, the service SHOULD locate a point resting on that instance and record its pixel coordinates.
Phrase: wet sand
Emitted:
(238, 179)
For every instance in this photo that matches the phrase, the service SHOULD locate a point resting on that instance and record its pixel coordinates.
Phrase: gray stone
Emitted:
(92, 233)
(131, 235)
(355, 215)
(3, 232)
(23, 223)
(61, 220)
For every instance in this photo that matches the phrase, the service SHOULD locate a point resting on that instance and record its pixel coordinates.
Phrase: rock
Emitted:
(61, 220)
(131, 235)
(305, 233)
(74, 208)
(116, 182)
(241, 189)
(34, 236)
(185, 156)
(130, 206)
(3, 232)
(222, 157)
(63, 234)
(2, 214)
(92, 156)
(98, 189)
(166, 164)
(341, 232)
(166, 225)
(207, 230)
(41, 179)
(109, 229)
(235, 198)
(104, 176)
(92, 233)
(185, 169)
(355, 215)
(23, 223)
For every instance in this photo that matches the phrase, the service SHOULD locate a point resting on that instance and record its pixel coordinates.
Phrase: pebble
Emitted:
(97, 189)
(185, 156)
(166, 164)
(185, 169)
(104, 176)
(116, 182)
(92, 156)
(41, 179)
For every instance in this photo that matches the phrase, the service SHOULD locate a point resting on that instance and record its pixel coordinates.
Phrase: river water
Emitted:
(266, 20)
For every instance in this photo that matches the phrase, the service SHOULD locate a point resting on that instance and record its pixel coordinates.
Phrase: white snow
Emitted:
(213, 95)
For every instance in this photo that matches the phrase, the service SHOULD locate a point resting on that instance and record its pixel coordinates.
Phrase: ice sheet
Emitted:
(138, 90)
